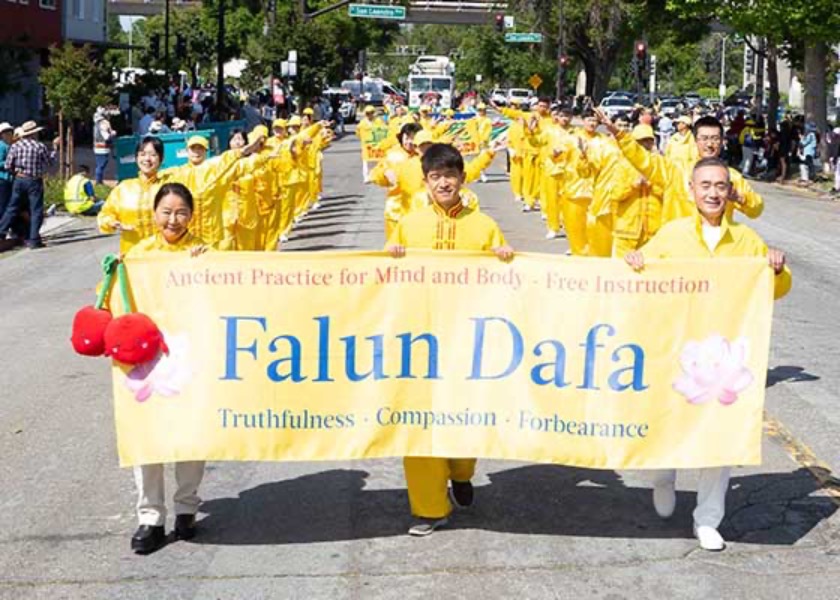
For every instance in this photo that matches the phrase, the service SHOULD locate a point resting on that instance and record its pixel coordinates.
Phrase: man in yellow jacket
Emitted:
(682, 147)
(366, 132)
(79, 195)
(674, 177)
(710, 233)
(636, 204)
(396, 205)
(445, 224)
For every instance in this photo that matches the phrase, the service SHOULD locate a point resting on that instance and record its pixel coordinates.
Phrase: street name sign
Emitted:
(377, 11)
(524, 38)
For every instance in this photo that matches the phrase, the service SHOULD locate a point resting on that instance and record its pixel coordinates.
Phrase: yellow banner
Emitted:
(331, 356)
(376, 144)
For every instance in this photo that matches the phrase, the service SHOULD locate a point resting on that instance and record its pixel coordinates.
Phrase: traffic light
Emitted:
(500, 22)
(154, 46)
(180, 46)
(641, 51)
(564, 61)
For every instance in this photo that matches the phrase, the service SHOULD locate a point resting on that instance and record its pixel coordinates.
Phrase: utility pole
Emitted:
(759, 76)
(220, 59)
(561, 55)
(166, 65)
(722, 88)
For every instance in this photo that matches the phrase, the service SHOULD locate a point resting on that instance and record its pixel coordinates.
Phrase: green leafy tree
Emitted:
(76, 83)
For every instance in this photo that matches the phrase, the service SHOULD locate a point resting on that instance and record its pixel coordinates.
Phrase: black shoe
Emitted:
(184, 527)
(462, 493)
(148, 538)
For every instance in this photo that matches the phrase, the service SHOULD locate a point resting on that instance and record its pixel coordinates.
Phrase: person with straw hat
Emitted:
(27, 161)
(682, 147)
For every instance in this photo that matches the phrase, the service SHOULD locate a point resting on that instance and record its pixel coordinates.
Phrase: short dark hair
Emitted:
(179, 189)
(84, 168)
(235, 132)
(156, 144)
(588, 113)
(409, 129)
(707, 122)
(441, 156)
(566, 111)
(544, 100)
(710, 162)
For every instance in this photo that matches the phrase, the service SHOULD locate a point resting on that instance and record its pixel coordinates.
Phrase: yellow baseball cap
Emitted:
(449, 112)
(279, 123)
(257, 132)
(643, 132)
(423, 137)
(308, 111)
(686, 120)
(425, 108)
(198, 140)
(481, 106)
(295, 121)
(369, 109)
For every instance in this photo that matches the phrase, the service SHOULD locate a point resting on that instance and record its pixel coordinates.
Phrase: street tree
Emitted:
(76, 83)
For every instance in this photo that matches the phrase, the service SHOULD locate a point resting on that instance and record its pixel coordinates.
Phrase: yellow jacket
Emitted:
(674, 179)
(208, 183)
(484, 127)
(637, 209)
(459, 228)
(131, 204)
(157, 243)
(683, 149)
(612, 176)
(683, 238)
(395, 207)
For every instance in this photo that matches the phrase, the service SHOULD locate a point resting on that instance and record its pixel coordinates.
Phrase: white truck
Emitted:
(432, 81)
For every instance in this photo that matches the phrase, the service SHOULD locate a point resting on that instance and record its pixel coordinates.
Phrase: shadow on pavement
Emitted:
(773, 509)
(791, 374)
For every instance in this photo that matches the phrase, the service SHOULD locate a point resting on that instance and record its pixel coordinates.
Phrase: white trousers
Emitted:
(711, 493)
(746, 163)
(365, 170)
(151, 492)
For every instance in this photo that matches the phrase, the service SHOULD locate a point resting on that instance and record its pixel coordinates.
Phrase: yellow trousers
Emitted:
(599, 235)
(530, 179)
(291, 198)
(390, 225)
(268, 231)
(245, 239)
(516, 176)
(428, 482)
(574, 221)
(550, 202)
(302, 196)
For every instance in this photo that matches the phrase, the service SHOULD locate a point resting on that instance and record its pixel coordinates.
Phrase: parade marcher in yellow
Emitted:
(484, 129)
(364, 131)
(708, 233)
(427, 120)
(80, 196)
(446, 224)
(173, 211)
(208, 181)
(674, 177)
(682, 147)
(129, 208)
(556, 146)
(241, 217)
(384, 174)
(579, 188)
(612, 177)
(303, 142)
(275, 214)
(636, 204)
(515, 152)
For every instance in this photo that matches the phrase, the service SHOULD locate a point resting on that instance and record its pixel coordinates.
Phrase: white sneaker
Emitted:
(664, 499)
(483, 178)
(518, 199)
(316, 206)
(284, 238)
(709, 538)
(551, 235)
(543, 217)
(425, 527)
(526, 208)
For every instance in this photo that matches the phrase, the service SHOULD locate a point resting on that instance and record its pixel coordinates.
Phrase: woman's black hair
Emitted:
(179, 189)
(409, 129)
(156, 144)
(237, 131)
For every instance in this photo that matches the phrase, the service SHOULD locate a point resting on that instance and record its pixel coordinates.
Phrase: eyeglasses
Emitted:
(715, 139)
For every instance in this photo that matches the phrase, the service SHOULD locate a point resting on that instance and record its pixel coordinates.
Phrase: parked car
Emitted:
(616, 106)
(671, 107)
(523, 95)
(499, 96)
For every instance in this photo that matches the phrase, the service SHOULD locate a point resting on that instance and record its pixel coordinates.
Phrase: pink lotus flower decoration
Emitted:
(714, 369)
(165, 375)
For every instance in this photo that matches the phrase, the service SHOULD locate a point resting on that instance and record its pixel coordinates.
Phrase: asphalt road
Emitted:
(337, 530)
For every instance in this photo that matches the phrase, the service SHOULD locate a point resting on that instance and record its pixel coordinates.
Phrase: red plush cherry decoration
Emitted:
(134, 339)
(88, 336)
